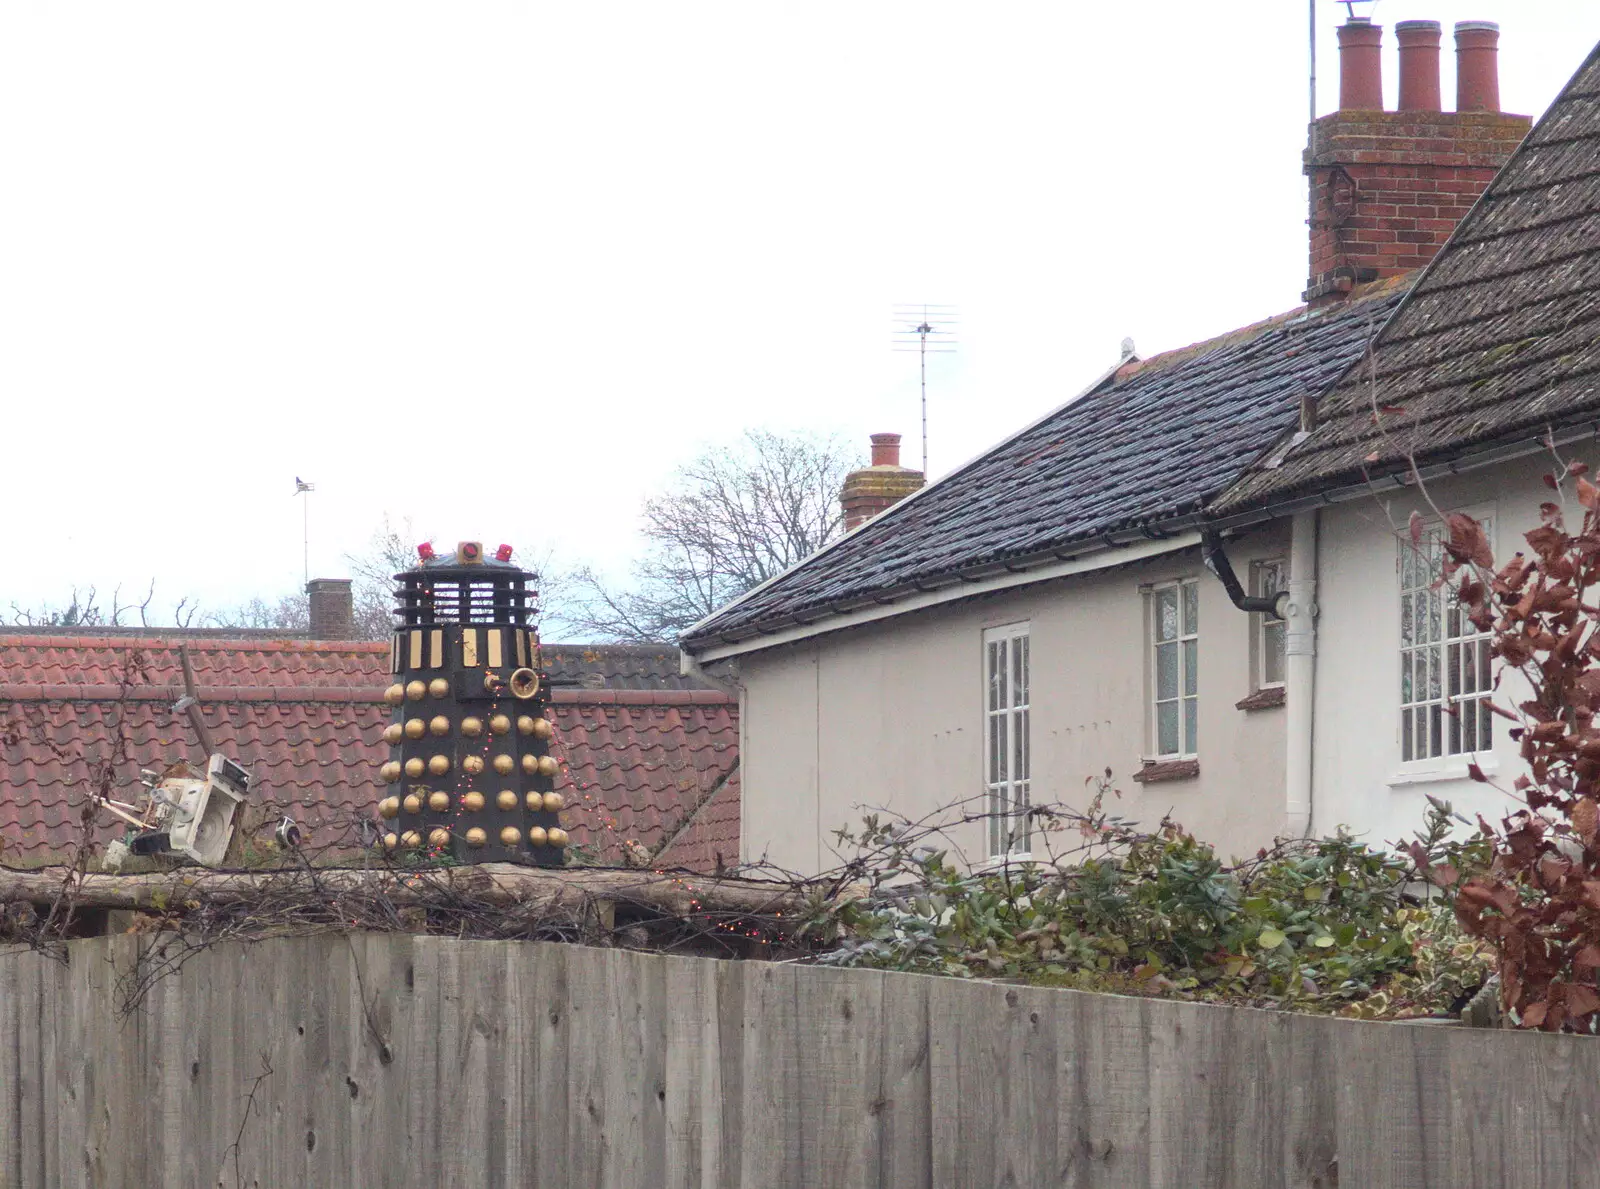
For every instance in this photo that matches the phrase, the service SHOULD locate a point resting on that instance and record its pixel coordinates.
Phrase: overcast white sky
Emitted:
(497, 268)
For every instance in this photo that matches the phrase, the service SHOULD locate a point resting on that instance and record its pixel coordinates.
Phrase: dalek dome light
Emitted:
(465, 587)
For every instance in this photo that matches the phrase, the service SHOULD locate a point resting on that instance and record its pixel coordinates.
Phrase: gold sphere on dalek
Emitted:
(471, 712)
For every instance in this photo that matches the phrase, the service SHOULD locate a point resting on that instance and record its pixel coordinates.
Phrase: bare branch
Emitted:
(734, 517)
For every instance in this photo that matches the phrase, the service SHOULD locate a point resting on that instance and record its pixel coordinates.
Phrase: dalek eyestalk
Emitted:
(470, 774)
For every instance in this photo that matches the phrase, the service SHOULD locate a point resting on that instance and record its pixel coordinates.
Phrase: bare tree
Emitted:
(392, 548)
(83, 609)
(290, 614)
(733, 517)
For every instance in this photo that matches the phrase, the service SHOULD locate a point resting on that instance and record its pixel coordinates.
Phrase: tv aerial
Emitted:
(927, 330)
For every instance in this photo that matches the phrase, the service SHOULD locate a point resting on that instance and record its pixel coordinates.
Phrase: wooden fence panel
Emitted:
(905, 1150)
(692, 1077)
(840, 1086)
(399, 1062)
(769, 1075)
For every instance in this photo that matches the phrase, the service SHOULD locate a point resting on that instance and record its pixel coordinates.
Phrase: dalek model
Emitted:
(470, 772)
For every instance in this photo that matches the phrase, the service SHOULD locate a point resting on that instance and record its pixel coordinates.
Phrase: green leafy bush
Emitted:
(1326, 923)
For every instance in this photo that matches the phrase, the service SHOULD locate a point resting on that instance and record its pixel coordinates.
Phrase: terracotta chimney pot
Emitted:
(1477, 66)
(1419, 65)
(875, 488)
(1360, 65)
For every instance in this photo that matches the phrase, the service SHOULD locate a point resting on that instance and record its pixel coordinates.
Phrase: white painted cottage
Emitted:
(1058, 606)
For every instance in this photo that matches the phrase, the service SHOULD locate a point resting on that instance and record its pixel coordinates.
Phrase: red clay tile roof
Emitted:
(656, 765)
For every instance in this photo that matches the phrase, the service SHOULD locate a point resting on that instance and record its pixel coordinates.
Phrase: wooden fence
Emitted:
(416, 1061)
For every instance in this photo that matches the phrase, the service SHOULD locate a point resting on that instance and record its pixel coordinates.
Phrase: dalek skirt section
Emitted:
(470, 772)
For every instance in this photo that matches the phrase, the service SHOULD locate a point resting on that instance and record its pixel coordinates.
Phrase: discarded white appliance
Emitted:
(186, 812)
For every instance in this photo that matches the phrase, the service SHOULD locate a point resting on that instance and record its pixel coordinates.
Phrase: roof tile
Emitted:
(307, 719)
(1126, 457)
(1499, 342)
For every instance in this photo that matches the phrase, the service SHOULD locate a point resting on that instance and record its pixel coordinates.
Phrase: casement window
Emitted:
(1445, 679)
(1174, 668)
(1271, 633)
(1006, 746)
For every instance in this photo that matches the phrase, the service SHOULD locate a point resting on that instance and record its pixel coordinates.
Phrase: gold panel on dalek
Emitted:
(469, 775)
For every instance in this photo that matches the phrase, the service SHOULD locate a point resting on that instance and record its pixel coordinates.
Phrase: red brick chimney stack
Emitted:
(1388, 188)
(333, 613)
(1419, 65)
(1360, 65)
(1477, 66)
(882, 485)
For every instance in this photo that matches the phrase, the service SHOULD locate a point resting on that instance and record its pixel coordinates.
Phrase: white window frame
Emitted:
(1445, 643)
(1188, 633)
(1266, 624)
(1007, 740)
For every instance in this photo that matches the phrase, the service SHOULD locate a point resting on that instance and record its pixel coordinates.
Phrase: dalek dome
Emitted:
(465, 587)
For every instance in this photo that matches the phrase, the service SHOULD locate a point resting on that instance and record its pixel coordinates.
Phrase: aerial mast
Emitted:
(925, 329)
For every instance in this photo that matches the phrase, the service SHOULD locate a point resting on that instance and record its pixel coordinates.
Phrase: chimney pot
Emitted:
(1419, 65)
(875, 488)
(333, 612)
(1360, 65)
(1477, 66)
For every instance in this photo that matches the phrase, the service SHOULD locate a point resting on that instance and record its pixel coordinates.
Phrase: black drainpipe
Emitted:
(1217, 562)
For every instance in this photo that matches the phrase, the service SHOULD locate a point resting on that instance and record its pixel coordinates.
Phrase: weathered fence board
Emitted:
(401, 1062)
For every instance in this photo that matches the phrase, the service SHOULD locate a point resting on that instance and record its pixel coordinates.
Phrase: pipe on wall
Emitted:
(1300, 672)
(1215, 559)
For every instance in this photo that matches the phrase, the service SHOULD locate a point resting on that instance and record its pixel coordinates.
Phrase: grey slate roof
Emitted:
(616, 666)
(1499, 340)
(1140, 454)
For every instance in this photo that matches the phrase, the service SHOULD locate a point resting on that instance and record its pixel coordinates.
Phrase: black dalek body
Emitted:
(470, 774)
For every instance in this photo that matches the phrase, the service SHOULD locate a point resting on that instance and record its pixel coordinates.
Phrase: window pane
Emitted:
(1453, 730)
(1019, 746)
(1485, 733)
(1272, 653)
(1467, 716)
(1436, 731)
(1435, 682)
(1271, 578)
(1167, 728)
(1019, 671)
(1166, 671)
(997, 675)
(1435, 616)
(997, 749)
(1191, 666)
(1408, 566)
(1406, 745)
(1405, 622)
(1189, 724)
(1166, 614)
(1191, 608)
